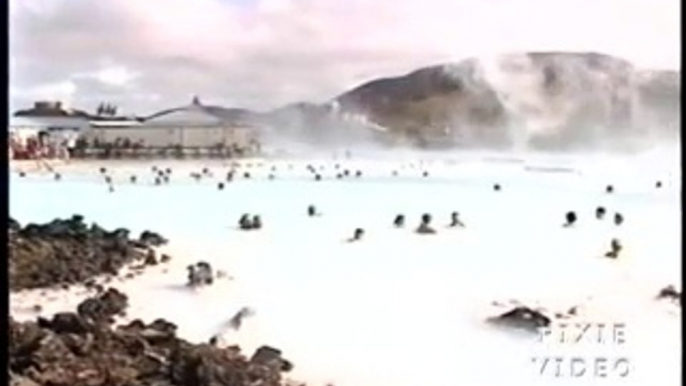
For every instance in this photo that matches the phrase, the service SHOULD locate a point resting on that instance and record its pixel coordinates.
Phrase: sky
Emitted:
(145, 56)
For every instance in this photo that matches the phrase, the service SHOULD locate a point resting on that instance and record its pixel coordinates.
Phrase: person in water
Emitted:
(399, 221)
(615, 248)
(244, 223)
(570, 219)
(256, 222)
(424, 226)
(200, 273)
(619, 219)
(455, 220)
(600, 213)
(357, 236)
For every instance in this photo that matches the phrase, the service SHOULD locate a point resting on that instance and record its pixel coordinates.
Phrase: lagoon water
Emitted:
(398, 308)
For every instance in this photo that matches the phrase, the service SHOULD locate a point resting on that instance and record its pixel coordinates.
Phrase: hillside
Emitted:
(547, 100)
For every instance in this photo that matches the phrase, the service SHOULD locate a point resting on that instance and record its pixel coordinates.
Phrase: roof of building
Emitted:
(47, 122)
(198, 114)
(51, 110)
(110, 123)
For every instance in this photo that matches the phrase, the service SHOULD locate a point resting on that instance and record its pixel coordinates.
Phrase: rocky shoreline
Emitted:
(84, 347)
(67, 251)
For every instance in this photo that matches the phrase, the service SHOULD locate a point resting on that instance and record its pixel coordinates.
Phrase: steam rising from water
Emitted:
(555, 101)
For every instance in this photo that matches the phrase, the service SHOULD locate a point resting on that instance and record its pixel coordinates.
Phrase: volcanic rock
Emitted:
(67, 251)
(522, 318)
(152, 239)
(69, 351)
(671, 293)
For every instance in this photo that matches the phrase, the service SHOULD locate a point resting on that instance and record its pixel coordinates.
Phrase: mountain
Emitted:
(543, 100)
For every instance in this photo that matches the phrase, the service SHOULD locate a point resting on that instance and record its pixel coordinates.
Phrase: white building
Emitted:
(54, 130)
(192, 126)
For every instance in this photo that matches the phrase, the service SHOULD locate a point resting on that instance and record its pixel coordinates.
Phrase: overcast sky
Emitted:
(146, 55)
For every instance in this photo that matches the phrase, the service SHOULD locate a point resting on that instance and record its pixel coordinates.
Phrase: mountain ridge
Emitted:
(549, 100)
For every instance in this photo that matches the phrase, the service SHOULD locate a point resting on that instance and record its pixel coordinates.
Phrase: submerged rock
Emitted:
(670, 293)
(152, 239)
(14, 225)
(270, 357)
(522, 318)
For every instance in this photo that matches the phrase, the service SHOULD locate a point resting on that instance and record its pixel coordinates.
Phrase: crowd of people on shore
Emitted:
(43, 146)
(39, 147)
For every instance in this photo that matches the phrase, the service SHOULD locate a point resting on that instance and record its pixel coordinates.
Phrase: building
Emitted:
(194, 126)
(49, 118)
(45, 130)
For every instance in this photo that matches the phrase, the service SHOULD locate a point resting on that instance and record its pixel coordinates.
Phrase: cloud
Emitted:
(153, 54)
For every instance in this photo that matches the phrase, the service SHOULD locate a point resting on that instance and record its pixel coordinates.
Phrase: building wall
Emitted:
(158, 137)
(169, 136)
(50, 123)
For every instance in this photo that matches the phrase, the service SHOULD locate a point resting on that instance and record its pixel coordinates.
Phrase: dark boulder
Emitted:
(67, 251)
(66, 322)
(104, 306)
(522, 318)
(151, 239)
(14, 225)
(46, 353)
(270, 357)
(670, 293)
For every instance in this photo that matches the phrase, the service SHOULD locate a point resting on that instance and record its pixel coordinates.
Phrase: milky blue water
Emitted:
(400, 308)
